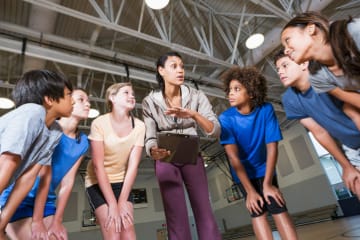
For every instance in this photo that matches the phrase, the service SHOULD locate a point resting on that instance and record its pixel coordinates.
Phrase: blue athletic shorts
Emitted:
(26, 211)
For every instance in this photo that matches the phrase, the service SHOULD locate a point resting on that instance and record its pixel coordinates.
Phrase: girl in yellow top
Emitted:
(116, 140)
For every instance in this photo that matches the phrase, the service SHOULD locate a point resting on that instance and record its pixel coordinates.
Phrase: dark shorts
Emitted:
(96, 197)
(273, 207)
(27, 211)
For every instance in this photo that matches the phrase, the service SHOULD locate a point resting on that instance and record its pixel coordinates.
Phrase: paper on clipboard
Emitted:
(184, 148)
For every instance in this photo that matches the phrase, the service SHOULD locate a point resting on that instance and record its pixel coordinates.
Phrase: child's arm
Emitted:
(350, 175)
(56, 228)
(350, 97)
(254, 201)
(269, 189)
(8, 164)
(21, 188)
(38, 227)
(351, 101)
(125, 208)
(353, 113)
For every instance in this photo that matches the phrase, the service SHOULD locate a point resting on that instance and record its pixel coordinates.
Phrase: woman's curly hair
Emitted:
(251, 79)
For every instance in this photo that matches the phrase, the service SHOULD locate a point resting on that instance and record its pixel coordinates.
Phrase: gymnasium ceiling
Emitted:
(98, 42)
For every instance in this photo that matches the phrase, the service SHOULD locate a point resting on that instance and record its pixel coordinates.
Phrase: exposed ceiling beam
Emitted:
(200, 34)
(116, 56)
(272, 8)
(109, 10)
(121, 8)
(224, 36)
(99, 11)
(125, 30)
(41, 52)
(159, 28)
(352, 4)
(36, 22)
(238, 35)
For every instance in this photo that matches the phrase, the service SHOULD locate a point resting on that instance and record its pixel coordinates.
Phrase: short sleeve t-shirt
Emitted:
(23, 132)
(65, 155)
(250, 132)
(116, 149)
(325, 110)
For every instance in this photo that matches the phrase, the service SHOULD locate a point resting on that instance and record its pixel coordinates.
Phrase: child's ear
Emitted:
(311, 27)
(161, 70)
(111, 98)
(48, 101)
(304, 65)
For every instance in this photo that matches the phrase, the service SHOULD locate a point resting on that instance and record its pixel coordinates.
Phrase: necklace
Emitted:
(178, 100)
(171, 103)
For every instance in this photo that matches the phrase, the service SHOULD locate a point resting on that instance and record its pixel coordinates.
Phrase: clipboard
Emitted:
(184, 148)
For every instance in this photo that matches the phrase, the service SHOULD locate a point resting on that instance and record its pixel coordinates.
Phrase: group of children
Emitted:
(42, 149)
(38, 153)
(29, 135)
(323, 79)
(321, 73)
(326, 97)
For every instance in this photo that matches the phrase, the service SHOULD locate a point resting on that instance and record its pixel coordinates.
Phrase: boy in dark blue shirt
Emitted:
(323, 116)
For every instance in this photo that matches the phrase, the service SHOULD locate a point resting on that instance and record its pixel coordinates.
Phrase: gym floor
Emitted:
(339, 229)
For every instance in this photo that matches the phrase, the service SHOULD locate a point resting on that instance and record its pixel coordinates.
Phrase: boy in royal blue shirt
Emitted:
(250, 133)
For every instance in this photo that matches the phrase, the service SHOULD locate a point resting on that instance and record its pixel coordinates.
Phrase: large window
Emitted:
(332, 169)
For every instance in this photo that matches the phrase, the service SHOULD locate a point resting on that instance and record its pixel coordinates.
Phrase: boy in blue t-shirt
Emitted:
(250, 133)
(29, 134)
(323, 115)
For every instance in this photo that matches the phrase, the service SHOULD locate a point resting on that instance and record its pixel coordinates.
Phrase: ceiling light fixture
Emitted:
(254, 41)
(6, 103)
(93, 113)
(157, 4)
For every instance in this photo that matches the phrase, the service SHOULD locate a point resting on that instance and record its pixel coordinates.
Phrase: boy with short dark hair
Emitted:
(250, 133)
(323, 116)
(29, 134)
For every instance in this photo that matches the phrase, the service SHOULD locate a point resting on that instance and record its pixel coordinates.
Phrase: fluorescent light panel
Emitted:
(254, 41)
(157, 4)
(6, 103)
